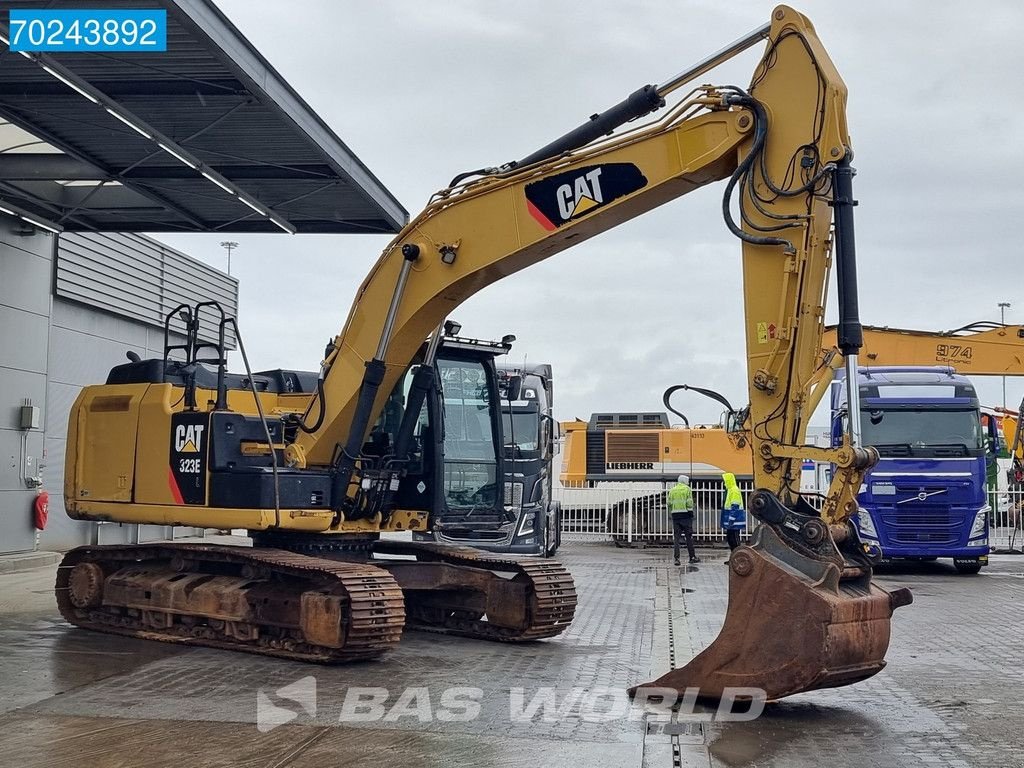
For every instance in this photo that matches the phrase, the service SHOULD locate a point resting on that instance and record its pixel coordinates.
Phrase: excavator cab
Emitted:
(459, 423)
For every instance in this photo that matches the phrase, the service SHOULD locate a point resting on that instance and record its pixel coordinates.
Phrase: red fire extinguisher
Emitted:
(42, 509)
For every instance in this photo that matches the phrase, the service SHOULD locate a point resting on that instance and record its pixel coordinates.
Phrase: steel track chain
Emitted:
(375, 605)
(552, 592)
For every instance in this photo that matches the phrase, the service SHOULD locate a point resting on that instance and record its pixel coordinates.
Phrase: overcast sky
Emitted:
(423, 90)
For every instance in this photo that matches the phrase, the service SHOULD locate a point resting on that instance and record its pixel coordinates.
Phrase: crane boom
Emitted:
(982, 348)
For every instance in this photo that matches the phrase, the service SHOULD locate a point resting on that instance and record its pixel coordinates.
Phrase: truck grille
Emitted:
(926, 517)
(474, 535)
(923, 524)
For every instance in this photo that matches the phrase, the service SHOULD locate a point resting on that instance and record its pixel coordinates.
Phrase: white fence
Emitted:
(634, 513)
(1005, 534)
(628, 513)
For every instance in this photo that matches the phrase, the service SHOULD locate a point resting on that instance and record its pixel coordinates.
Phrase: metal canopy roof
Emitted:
(203, 137)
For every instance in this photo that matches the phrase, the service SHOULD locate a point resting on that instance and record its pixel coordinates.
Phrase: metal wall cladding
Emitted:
(139, 278)
(25, 265)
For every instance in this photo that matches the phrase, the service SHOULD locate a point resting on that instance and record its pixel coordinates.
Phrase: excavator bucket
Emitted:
(801, 616)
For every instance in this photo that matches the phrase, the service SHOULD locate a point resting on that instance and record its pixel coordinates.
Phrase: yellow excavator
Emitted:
(643, 447)
(316, 471)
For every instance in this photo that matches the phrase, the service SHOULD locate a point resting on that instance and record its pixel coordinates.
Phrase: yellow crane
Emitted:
(982, 348)
(316, 477)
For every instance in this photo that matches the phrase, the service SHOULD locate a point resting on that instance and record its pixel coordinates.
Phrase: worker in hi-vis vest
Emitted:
(733, 518)
(680, 507)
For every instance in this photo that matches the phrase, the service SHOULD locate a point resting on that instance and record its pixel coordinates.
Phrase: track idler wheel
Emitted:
(85, 585)
(801, 616)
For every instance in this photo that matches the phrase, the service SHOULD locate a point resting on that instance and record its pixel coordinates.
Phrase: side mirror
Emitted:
(548, 430)
(514, 387)
(992, 436)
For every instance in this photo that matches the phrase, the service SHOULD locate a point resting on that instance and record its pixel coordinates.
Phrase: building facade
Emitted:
(71, 307)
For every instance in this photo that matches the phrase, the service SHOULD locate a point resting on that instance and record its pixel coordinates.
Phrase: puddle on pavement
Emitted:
(783, 727)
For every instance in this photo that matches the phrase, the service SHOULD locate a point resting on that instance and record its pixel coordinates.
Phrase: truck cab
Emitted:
(528, 427)
(927, 496)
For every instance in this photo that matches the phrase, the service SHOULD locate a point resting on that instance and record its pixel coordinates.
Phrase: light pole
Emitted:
(229, 246)
(1003, 306)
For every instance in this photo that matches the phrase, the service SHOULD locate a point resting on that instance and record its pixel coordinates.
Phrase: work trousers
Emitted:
(682, 525)
(733, 537)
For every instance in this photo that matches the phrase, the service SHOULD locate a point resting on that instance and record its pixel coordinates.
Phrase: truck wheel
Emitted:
(967, 567)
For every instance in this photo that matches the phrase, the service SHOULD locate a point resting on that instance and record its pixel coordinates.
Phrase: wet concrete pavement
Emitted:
(950, 696)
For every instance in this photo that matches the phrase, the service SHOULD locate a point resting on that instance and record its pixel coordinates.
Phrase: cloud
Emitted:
(421, 92)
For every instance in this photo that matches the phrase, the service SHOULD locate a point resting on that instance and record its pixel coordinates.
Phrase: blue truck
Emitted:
(927, 496)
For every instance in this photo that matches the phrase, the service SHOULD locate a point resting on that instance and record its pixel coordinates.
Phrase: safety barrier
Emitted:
(630, 513)
(1005, 533)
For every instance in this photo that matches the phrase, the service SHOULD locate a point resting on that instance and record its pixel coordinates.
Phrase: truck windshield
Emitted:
(922, 431)
(470, 464)
(524, 427)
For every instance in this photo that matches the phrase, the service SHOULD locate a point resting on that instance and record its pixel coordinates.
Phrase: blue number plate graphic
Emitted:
(99, 30)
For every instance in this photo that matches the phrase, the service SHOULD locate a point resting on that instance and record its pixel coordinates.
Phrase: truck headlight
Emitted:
(866, 524)
(980, 522)
(527, 524)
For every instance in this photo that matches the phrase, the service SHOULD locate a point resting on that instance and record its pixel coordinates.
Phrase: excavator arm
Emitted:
(784, 147)
(473, 235)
